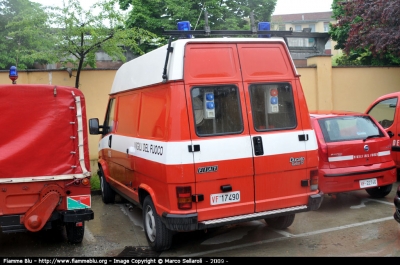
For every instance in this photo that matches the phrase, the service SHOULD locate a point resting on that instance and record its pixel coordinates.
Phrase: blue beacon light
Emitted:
(264, 26)
(13, 74)
(184, 26)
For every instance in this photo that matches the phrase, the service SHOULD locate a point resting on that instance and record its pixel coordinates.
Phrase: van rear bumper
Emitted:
(188, 222)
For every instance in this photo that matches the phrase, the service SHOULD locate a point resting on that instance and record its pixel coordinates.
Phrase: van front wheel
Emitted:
(107, 193)
(157, 234)
(280, 222)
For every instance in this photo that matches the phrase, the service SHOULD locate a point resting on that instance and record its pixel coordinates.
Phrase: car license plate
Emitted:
(365, 183)
(227, 197)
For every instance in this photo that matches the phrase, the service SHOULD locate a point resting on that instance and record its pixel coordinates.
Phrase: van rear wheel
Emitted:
(107, 193)
(280, 222)
(379, 192)
(158, 235)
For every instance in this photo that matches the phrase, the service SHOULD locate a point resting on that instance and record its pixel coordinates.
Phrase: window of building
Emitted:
(312, 27)
(326, 27)
(297, 28)
(328, 45)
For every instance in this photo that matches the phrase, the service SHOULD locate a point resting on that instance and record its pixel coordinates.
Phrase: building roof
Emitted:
(303, 17)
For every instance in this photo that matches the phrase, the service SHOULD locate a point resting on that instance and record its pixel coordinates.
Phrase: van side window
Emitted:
(384, 112)
(272, 106)
(216, 110)
(110, 117)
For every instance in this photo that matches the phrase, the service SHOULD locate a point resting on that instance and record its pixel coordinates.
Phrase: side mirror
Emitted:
(94, 126)
(390, 134)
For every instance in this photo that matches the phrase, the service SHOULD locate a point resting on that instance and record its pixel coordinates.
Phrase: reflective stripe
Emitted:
(351, 157)
(41, 178)
(384, 153)
(216, 149)
(340, 158)
(80, 135)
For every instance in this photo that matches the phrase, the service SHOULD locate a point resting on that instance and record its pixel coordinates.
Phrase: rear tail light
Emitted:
(184, 196)
(85, 181)
(323, 152)
(314, 179)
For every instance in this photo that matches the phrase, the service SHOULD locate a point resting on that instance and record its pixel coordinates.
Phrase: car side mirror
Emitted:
(94, 127)
(390, 134)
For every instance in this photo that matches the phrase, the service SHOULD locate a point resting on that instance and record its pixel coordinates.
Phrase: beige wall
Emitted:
(325, 88)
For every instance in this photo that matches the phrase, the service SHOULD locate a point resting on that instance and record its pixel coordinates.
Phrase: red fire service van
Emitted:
(205, 132)
(44, 160)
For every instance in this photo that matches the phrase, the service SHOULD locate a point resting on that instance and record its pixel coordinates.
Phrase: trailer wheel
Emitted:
(107, 193)
(379, 192)
(280, 222)
(75, 233)
(158, 235)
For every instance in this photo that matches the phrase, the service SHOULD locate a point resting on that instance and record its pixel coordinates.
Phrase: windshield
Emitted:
(346, 128)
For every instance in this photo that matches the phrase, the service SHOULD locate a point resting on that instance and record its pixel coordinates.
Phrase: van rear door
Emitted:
(275, 123)
(218, 125)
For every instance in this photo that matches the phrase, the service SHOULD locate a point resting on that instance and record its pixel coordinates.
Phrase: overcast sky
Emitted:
(282, 6)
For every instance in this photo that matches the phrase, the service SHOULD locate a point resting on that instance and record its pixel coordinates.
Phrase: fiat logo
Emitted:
(366, 148)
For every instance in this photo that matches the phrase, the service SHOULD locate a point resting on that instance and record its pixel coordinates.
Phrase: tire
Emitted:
(75, 233)
(280, 222)
(157, 234)
(379, 192)
(107, 193)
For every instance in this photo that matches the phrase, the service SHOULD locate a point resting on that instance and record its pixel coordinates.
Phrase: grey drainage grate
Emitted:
(145, 252)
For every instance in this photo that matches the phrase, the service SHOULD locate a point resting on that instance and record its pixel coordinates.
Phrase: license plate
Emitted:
(365, 183)
(227, 197)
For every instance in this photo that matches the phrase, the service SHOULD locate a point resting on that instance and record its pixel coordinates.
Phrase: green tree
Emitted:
(25, 36)
(367, 31)
(81, 33)
(154, 15)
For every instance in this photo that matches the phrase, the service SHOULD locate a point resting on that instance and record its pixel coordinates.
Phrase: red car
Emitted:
(354, 153)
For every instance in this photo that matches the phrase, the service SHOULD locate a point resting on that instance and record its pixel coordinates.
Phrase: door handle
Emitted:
(109, 141)
(258, 146)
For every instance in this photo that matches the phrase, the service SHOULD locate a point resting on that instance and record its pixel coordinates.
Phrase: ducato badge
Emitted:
(297, 161)
(366, 148)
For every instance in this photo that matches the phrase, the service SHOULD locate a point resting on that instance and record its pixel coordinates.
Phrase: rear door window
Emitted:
(349, 128)
(272, 106)
(217, 110)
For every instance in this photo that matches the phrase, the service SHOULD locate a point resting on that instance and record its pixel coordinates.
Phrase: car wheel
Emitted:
(75, 233)
(280, 222)
(107, 193)
(158, 235)
(379, 192)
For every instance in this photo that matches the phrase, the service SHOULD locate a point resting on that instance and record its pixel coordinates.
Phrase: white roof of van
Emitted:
(148, 68)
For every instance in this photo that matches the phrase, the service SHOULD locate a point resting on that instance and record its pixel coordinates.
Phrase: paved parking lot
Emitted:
(352, 224)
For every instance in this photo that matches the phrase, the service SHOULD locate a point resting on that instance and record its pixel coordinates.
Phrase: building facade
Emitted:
(305, 22)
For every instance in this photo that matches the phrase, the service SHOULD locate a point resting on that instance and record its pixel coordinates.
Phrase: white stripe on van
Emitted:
(224, 148)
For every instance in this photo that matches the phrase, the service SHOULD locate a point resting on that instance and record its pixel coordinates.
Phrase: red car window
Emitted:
(346, 128)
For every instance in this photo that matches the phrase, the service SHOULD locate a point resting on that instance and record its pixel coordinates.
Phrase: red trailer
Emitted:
(44, 159)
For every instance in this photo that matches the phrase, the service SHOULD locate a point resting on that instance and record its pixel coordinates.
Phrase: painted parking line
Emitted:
(289, 235)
